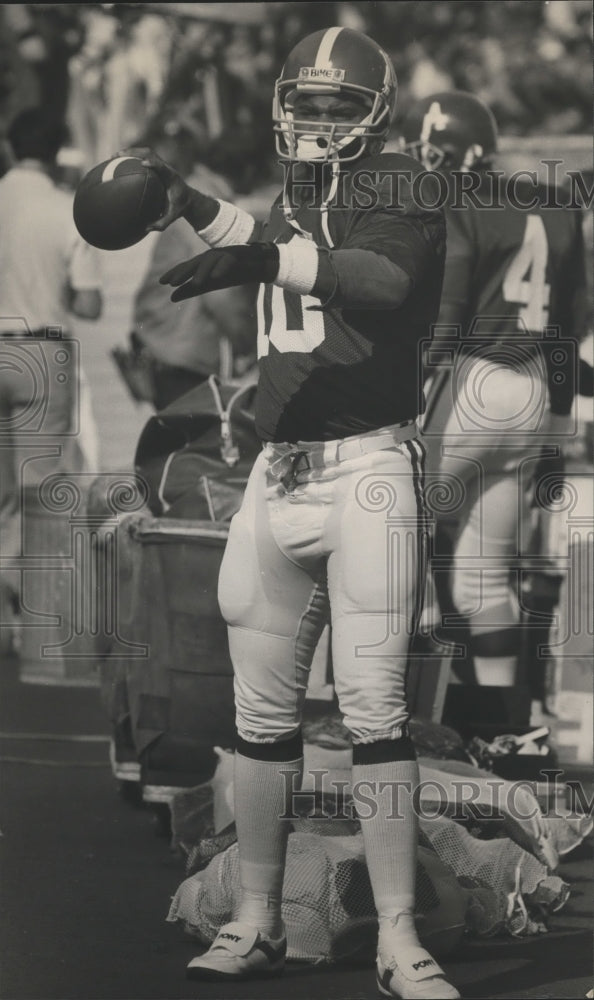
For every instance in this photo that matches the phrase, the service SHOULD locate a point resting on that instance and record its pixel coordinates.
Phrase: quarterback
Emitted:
(332, 523)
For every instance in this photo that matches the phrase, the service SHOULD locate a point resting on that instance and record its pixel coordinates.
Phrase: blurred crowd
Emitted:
(123, 73)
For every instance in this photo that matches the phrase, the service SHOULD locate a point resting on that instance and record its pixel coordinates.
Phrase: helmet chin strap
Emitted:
(289, 212)
(313, 148)
(325, 204)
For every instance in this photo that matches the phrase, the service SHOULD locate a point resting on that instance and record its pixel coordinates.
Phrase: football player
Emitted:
(509, 324)
(332, 523)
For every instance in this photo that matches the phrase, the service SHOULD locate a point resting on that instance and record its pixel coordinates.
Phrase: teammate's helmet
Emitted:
(451, 131)
(342, 62)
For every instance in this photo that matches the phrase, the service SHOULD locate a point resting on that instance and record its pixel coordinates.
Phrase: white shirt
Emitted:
(41, 253)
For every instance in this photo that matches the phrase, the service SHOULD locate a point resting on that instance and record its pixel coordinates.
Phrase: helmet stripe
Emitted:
(325, 49)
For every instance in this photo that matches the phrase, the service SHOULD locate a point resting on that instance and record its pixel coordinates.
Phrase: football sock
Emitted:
(262, 797)
(390, 836)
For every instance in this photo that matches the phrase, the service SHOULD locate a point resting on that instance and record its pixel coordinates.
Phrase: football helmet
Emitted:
(334, 61)
(451, 130)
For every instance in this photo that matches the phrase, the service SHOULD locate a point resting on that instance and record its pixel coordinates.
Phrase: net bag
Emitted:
(328, 907)
(523, 890)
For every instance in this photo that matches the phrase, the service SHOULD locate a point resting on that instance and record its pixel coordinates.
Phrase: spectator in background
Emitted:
(117, 80)
(38, 42)
(135, 77)
(88, 101)
(198, 75)
(219, 77)
(47, 274)
(179, 346)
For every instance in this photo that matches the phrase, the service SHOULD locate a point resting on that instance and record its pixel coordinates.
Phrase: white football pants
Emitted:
(327, 531)
(484, 439)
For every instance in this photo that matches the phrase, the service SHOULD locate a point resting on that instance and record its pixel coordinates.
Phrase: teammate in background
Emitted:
(347, 295)
(513, 290)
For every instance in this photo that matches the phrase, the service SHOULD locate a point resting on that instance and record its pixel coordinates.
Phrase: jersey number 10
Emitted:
(524, 282)
(281, 304)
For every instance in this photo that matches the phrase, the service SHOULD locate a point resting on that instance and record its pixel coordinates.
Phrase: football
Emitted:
(116, 201)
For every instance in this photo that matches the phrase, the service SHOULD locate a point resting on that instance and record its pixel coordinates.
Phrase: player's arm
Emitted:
(572, 320)
(355, 277)
(456, 295)
(387, 249)
(562, 373)
(358, 277)
(382, 259)
(217, 222)
(459, 266)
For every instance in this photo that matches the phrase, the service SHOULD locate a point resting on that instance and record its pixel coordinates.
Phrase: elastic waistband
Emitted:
(322, 453)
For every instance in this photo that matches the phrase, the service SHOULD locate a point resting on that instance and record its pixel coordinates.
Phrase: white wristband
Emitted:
(230, 226)
(298, 265)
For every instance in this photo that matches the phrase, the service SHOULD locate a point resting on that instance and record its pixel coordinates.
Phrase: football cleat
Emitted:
(239, 951)
(418, 977)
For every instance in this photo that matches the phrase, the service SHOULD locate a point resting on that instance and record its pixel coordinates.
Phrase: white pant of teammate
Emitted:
(344, 541)
(490, 428)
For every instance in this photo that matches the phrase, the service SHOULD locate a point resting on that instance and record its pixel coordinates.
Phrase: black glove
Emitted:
(223, 268)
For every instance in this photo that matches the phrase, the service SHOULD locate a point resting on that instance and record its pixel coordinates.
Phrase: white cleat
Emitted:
(239, 951)
(419, 977)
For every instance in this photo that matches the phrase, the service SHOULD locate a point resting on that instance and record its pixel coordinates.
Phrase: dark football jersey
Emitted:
(513, 275)
(328, 373)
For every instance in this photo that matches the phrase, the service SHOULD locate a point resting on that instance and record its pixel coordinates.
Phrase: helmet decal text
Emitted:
(313, 73)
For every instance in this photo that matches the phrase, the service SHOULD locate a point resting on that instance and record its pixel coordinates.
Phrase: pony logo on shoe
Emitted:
(239, 951)
(411, 982)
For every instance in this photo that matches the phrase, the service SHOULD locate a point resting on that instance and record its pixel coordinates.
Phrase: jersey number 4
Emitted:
(525, 279)
(276, 309)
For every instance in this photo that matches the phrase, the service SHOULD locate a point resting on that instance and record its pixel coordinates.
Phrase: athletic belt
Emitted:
(318, 454)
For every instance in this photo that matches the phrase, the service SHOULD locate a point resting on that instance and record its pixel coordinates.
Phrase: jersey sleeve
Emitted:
(399, 224)
(390, 243)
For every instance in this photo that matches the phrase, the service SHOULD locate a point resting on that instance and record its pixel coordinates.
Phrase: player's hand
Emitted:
(179, 194)
(225, 267)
